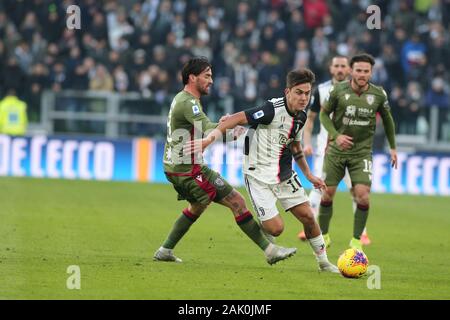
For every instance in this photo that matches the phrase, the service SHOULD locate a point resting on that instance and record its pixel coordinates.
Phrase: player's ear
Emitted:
(286, 91)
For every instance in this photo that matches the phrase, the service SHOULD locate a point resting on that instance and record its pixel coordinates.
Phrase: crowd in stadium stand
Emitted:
(141, 45)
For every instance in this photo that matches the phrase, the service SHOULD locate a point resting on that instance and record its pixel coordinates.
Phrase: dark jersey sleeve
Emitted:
(260, 115)
(314, 105)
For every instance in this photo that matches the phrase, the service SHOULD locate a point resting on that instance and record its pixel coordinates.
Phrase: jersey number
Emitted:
(367, 166)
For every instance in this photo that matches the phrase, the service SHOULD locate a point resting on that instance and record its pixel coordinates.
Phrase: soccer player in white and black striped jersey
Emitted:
(271, 143)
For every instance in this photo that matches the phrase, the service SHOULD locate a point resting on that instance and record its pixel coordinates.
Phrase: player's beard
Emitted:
(340, 77)
(203, 91)
(358, 83)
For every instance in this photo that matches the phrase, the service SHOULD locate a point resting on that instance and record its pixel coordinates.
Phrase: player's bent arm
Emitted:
(328, 123)
(299, 157)
(231, 122)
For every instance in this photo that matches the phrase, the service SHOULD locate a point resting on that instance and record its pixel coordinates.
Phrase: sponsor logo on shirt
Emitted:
(351, 122)
(258, 115)
(282, 139)
(350, 111)
(365, 112)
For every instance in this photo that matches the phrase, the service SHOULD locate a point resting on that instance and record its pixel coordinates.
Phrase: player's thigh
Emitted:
(360, 170)
(262, 198)
(216, 182)
(333, 169)
(328, 195)
(347, 179)
(290, 192)
(203, 188)
(197, 208)
(185, 188)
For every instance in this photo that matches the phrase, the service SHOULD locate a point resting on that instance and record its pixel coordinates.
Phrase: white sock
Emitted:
(165, 250)
(319, 248)
(314, 199)
(269, 249)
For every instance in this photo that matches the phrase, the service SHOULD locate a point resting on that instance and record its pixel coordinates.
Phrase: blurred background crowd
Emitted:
(140, 46)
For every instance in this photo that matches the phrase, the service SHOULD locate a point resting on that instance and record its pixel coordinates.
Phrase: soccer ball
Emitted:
(353, 263)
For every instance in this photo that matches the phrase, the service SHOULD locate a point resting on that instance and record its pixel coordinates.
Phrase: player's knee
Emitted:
(327, 197)
(326, 202)
(362, 200)
(275, 230)
(197, 209)
(238, 204)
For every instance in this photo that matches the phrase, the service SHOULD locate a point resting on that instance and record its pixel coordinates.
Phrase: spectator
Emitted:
(13, 115)
(438, 97)
(314, 11)
(302, 55)
(414, 101)
(24, 56)
(36, 84)
(413, 57)
(13, 77)
(102, 80)
(121, 81)
(296, 27)
(252, 40)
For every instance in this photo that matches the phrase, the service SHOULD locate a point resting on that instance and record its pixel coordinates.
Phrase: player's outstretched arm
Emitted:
(229, 122)
(299, 157)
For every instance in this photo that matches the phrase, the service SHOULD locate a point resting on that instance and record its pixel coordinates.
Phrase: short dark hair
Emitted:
(338, 56)
(194, 66)
(363, 57)
(299, 76)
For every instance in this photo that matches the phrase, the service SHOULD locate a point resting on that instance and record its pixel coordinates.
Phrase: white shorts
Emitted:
(318, 169)
(264, 196)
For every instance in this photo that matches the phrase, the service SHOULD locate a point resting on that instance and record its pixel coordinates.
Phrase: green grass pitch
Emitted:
(111, 230)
